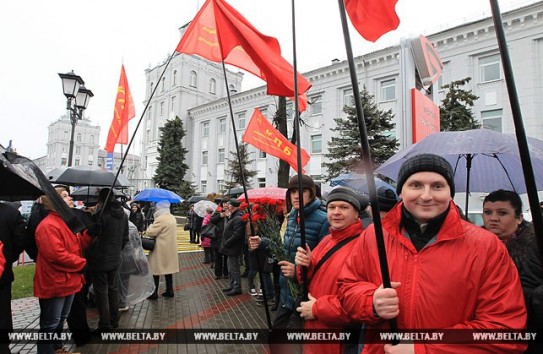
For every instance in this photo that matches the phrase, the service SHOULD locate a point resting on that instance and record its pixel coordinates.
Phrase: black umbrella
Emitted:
(18, 180)
(86, 176)
(90, 194)
(195, 198)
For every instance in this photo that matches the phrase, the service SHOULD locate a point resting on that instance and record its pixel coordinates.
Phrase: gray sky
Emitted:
(40, 38)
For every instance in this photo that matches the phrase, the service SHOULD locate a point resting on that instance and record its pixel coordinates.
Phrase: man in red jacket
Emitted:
(445, 273)
(323, 310)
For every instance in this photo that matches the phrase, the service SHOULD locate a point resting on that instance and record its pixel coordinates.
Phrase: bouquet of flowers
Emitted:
(267, 217)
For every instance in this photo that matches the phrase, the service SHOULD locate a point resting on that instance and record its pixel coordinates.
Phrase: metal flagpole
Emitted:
(524, 150)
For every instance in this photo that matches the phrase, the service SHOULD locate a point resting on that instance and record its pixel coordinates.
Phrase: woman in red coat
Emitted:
(324, 310)
(58, 272)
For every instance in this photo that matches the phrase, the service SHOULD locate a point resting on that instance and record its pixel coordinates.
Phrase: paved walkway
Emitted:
(199, 303)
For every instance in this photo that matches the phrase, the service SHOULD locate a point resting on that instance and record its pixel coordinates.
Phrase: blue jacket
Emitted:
(316, 227)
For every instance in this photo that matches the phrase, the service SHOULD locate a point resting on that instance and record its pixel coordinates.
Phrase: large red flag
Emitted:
(124, 111)
(262, 135)
(219, 32)
(372, 18)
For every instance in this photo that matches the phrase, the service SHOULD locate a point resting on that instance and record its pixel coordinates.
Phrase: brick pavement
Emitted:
(199, 303)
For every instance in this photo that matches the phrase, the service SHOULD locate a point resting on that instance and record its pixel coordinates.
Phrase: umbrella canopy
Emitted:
(487, 159)
(156, 195)
(86, 176)
(344, 178)
(90, 194)
(196, 198)
(234, 192)
(265, 192)
(358, 182)
(201, 206)
(19, 182)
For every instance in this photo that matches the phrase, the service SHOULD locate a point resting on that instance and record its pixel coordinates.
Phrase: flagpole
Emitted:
(524, 150)
(304, 285)
(135, 131)
(367, 162)
(242, 175)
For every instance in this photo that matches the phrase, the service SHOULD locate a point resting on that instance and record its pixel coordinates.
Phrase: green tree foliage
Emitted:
(234, 170)
(171, 168)
(344, 150)
(455, 110)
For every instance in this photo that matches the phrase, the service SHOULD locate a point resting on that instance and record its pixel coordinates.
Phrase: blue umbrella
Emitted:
(156, 195)
(358, 182)
(483, 160)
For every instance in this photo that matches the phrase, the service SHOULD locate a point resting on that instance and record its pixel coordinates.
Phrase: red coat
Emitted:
(464, 280)
(323, 286)
(60, 261)
(2, 259)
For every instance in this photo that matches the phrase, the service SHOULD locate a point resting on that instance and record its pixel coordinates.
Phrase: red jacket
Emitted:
(464, 280)
(60, 262)
(2, 259)
(323, 286)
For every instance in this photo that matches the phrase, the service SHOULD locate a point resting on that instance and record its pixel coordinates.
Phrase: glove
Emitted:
(95, 230)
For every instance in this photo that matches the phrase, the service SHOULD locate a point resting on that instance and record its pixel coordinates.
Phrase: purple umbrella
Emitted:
(483, 160)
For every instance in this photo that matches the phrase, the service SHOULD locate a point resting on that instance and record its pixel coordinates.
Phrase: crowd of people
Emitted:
(445, 272)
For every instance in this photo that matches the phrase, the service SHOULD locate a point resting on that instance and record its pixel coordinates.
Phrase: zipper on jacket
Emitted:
(413, 287)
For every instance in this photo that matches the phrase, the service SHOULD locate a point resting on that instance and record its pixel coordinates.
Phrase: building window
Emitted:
(203, 186)
(205, 129)
(222, 125)
(490, 68)
(241, 120)
(76, 162)
(388, 90)
(204, 157)
(316, 104)
(92, 138)
(78, 150)
(220, 155)
(65, 135)
(91, 152)
(264, 112)
(261, 182)
(78, 137)
(348, 98)
(173, 104)
(212, 86)
(90, 162)
(261, 154)
(193, 79)
(492, 119)
(174, 78)
(316, 144)
(162, 108)
(63, 161)
(444, 75)
(151, 87)
(163, 87)
(232, 88)
(220, 185)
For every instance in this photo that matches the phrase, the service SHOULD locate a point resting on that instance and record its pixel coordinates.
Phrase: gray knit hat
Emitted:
(344, 194)
(425, 163)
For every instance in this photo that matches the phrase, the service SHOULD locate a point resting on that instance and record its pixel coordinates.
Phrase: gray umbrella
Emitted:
(86, 176)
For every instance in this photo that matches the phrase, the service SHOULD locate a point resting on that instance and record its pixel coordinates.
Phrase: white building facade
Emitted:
(469, 50)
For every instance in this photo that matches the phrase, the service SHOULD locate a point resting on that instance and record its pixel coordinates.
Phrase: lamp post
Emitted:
(77, 101)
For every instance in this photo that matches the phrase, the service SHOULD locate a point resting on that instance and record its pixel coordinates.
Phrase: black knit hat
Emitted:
(386, 198)
(344, 194)
(425, 163)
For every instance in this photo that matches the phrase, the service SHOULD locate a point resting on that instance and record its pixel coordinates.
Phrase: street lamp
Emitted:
(77, 101)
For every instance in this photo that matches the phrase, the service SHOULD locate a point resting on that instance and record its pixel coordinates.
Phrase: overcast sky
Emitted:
(40, 39)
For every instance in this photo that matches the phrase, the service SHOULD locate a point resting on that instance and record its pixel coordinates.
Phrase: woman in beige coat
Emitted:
(163, 259)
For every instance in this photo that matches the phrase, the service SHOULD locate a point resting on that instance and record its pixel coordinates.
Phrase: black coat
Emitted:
(12, 229)
(137, 219)
(220, 222)
(233, 236)
(105, 252)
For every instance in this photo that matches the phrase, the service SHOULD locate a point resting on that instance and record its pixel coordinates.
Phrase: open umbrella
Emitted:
(483, 160)
(156, 195)
(90, 194)
(358, 182)
(19, 182)
(86, 176)
(196, 198)
(201, 206)
(234, 192)
(265, 192)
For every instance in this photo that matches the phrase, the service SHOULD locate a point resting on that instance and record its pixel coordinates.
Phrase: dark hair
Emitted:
(502, 195)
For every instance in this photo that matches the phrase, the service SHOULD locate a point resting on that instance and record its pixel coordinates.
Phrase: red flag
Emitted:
(372, 18)
(124, 111)
(262, 135)
(219, 32)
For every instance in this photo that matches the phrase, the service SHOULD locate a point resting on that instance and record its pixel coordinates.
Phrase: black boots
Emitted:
(169, 286)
